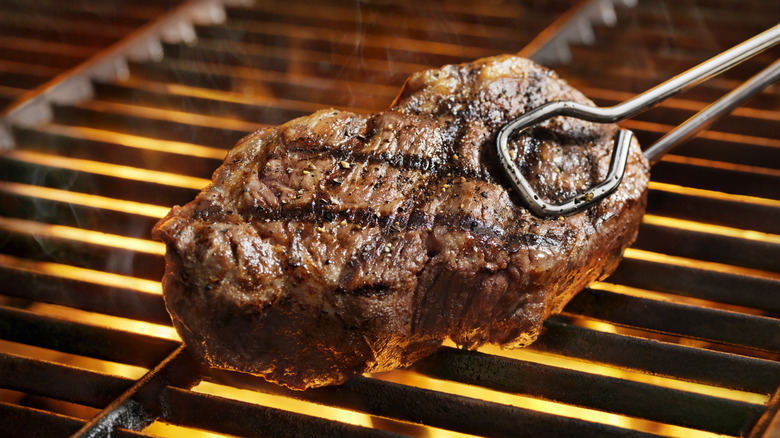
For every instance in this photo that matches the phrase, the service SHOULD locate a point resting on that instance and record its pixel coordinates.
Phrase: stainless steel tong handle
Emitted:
(631, 107)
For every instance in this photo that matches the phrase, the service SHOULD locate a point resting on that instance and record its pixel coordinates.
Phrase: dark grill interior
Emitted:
(683, 340)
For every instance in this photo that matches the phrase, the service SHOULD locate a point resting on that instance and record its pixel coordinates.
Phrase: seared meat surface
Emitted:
(340, 243)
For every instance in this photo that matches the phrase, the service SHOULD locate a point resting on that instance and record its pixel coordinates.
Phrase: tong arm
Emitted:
(631, 107)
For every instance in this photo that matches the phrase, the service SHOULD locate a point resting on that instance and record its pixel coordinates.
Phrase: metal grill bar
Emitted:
(701, 245)
(87, 340)
(26, 170)
(140, 404)
(485, 25)
(232, 80)
(619, 79)
(588, 390)
(755, 292)
(769, 423)
(126, 261)
(71, 384)
(310, 62)
(125, 303)
(29, 422)
(746, 121)
(433, 408)
(271, 110)
(240, 418)
(685, 320)
(74, 85)
(717, 211)
(144, 125)
(708, 176)
(97, 145)
(737, 152)
(659, 358)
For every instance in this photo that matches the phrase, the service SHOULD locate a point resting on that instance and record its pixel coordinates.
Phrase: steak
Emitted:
(342, 243)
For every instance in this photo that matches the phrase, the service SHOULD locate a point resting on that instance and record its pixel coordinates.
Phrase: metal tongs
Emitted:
(631, 107)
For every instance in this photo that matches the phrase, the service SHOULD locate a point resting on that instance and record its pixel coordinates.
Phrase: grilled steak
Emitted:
(341, 243)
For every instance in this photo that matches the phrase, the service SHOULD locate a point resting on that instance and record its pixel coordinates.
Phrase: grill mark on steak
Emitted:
(321, 202)
(381, 145)
(452, 207)
(409, 162)
(440, 167)
(388, 224)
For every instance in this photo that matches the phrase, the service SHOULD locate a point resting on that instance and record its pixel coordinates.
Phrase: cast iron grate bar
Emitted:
(687, 281)
(702, 245)
(114, 345)
(72, 384)
(434, 408)
(659, 358)
(695, 322)
(31, 422)
(246, 419)
(607, 394)
(145, 400)
(77, 294)
(724, 212)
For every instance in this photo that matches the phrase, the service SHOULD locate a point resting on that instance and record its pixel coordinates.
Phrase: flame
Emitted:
(82, 235)
(321, 411)
(712, 194)
(172, 116)
(285, 403)
(228, 96)
(97, 365)
(163, 429)
(100, 319)
(135, 141)
(712, 229)
(639, 125)
(403, 377)
(524, 402)
(724, 165)
(672, 298)
(530, 355)
(69, 272)
(83, 199)
(640, 254)
(108, 169)
(88, 363)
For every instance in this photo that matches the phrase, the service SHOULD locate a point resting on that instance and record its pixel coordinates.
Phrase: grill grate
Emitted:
(681, 341)
(41, 40)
